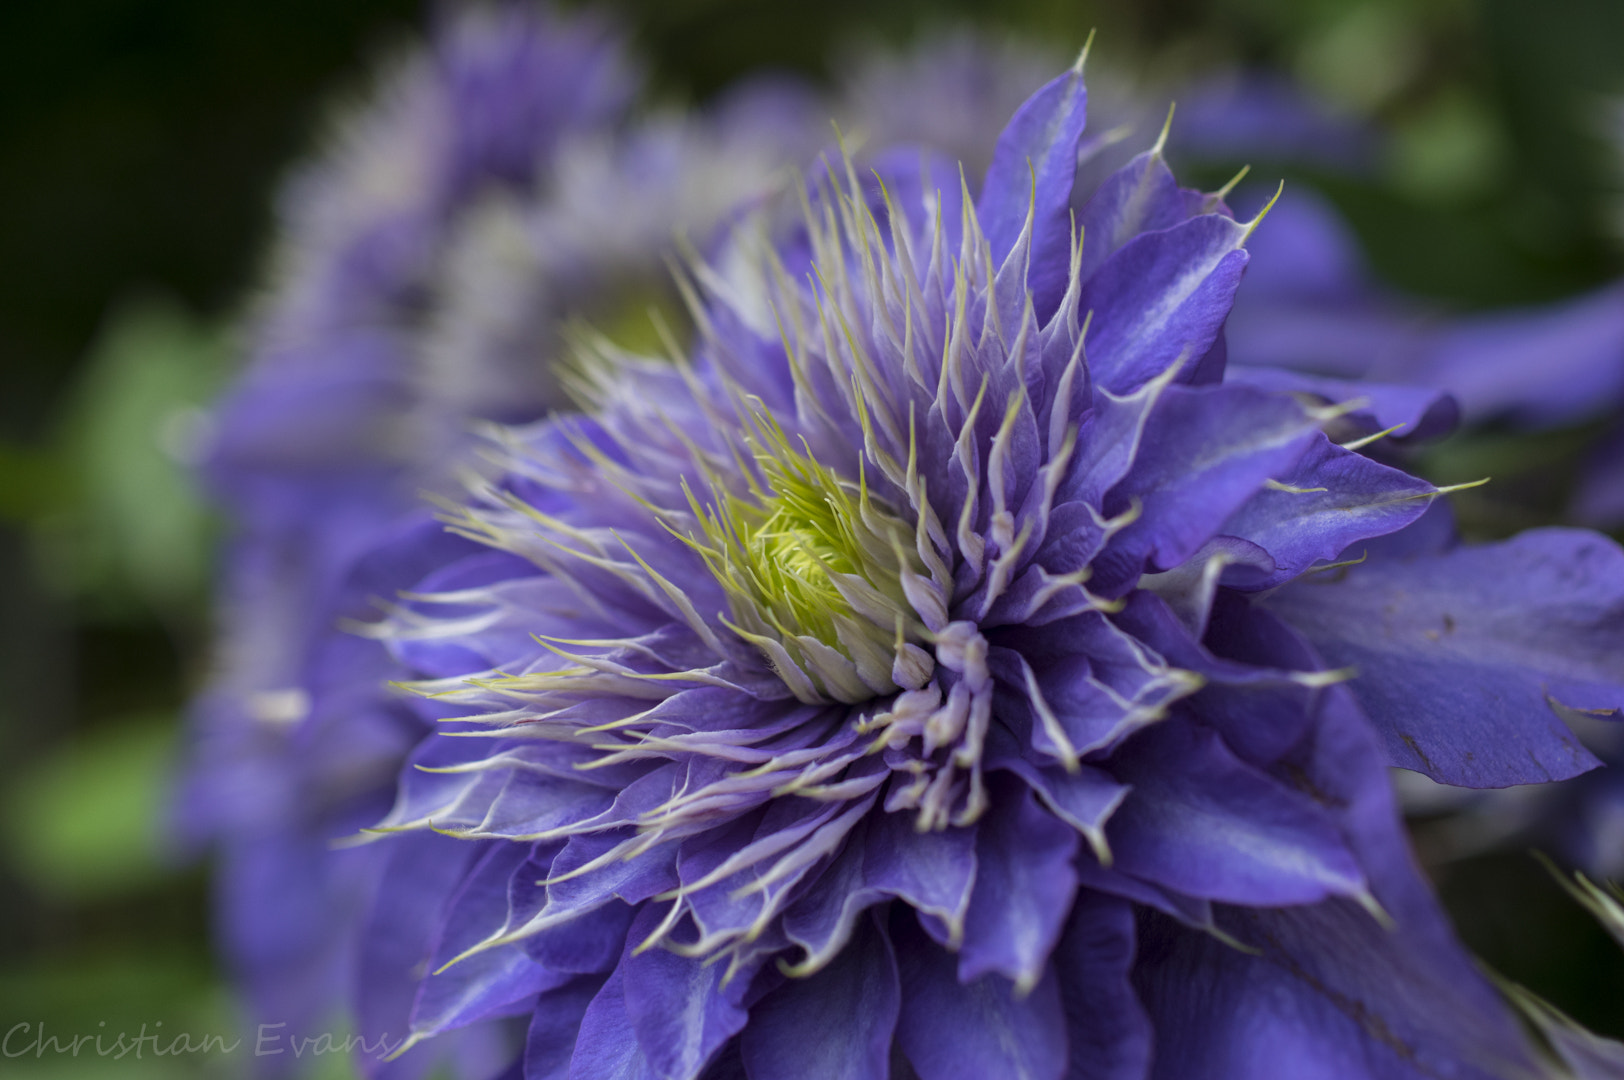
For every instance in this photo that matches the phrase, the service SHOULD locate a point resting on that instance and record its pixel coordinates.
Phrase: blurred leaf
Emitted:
(1365, 57)
(1503, 454)
(1449, 150)
(109, 995)
(32, 483)
(1531, 476)
(84, 822)
(632, 322)
(133, 430)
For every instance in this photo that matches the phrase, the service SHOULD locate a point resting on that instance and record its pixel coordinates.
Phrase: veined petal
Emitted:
(1467, 659)
(837, 1021)
(951, 1031)
(1200, 821)
(1033, 167)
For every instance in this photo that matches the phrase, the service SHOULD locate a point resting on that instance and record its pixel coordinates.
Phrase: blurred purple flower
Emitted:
(1258, 116)
(327, 439)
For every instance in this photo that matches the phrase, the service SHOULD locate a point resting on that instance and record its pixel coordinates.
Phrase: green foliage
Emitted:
(85, 822)
(127, 522)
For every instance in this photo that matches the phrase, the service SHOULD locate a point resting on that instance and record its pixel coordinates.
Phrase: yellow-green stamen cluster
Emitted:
(812, 565)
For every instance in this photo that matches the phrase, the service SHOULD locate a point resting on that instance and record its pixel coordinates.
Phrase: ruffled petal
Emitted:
(1160, 301)
(951, 1031)
(1203, 822)
(836, 1022)
(1038, 147)
(1140, 197)
(1467, 660)
(1330, 991)
(1024, 885)
(495, 982)
(1108, 1030)
(1204, 453)
(1418, 412)
(1331, 499)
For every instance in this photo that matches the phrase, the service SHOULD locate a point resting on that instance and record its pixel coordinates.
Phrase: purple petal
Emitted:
(1024, 885)
(677, 1006)
(1330, 500)
(1303, 250)
(1599, 500)
(932, 872)
(1039, 146)
(606, 1047)
(555, 1025)
(1099, 684)
(1220, 1013)
(1330, 992)
(886, 858)
(951, 1031)
(835, 1022)
(1467, 659)
(1108, 1029)
(1253, 695)
(489, 983)
(1203, 822)
(1085, 798)
(397, 940)
(1190, 588)
(592, 941)
(1161, 300)
(1140, 197)
(286, 905)
(1250, 115)
(1345, 337)
(1191, 911)
(1551, 365)
(1205, 452)
(1418, 412)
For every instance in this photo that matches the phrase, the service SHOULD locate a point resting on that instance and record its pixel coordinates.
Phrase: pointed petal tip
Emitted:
(1261, 214)
(1082, 57)
(1367, 900)
(1234, 181)
(411, 1040)
(1167, 127)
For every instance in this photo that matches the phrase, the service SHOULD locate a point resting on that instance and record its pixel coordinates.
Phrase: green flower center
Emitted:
(812, 565)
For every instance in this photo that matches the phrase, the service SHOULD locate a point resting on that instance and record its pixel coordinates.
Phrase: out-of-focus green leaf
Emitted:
(132, 432)
(1449, 150)
(32, 483)
(84, 823)
(1365, 55)
(74, 1000)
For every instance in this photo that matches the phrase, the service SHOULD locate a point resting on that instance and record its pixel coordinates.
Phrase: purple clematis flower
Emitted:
(934, 676)
(327, 440)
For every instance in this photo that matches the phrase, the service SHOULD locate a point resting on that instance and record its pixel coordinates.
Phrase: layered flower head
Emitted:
(847, 685)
